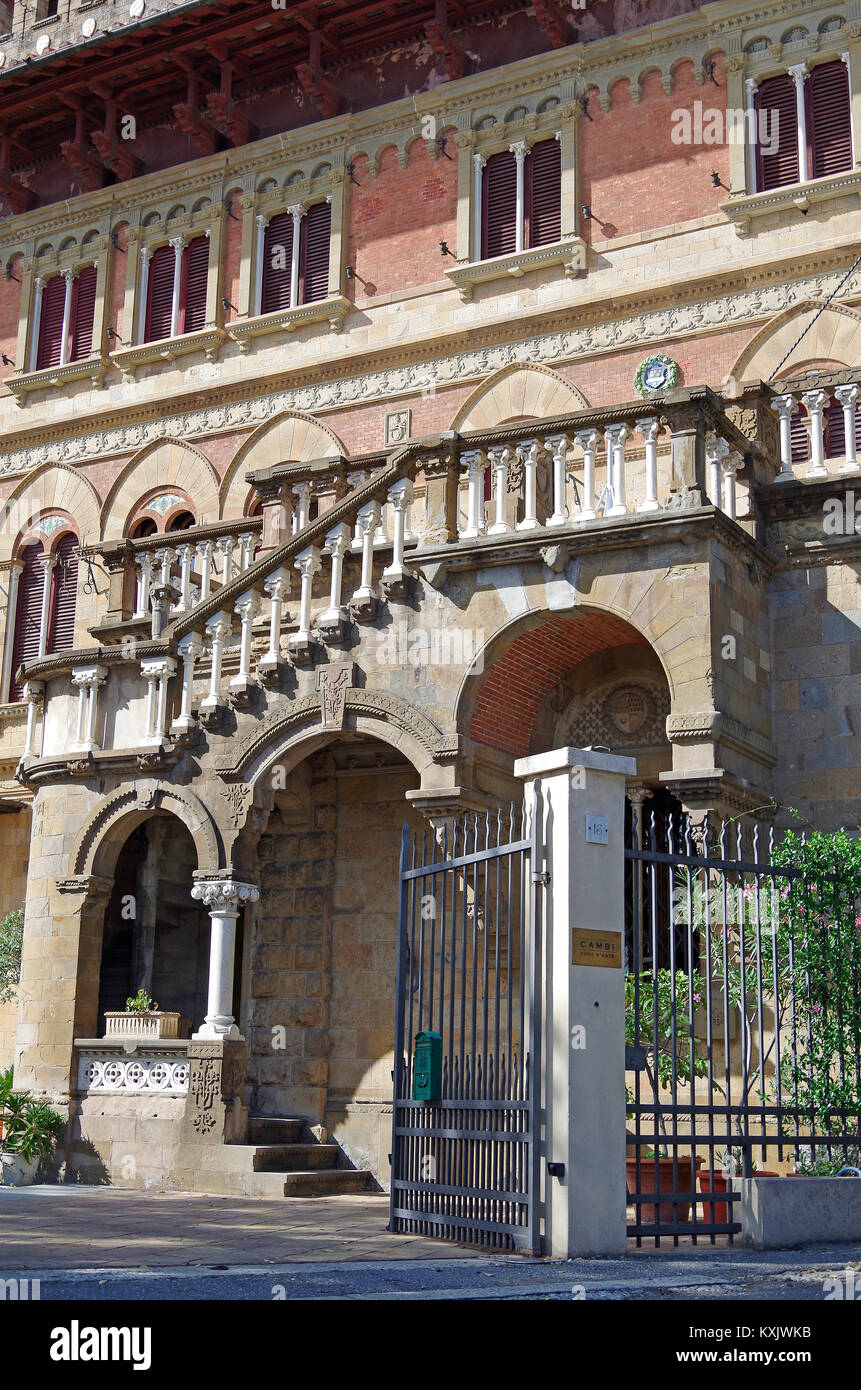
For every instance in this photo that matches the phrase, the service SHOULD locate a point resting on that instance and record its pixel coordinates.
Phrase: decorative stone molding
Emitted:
(107, 1073)
(570, 253)
(744, 210)
(181, 801)
(208, 341)
(225, 893)
(333, 309)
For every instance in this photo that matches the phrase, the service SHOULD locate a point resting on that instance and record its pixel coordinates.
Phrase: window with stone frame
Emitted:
(295, 272)
(521, 198)
(809, 113)
(45, 578)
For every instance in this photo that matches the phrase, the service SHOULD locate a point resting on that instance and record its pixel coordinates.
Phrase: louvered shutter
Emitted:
(83, 313)
(835, 431)
(314, 253)
(544, 204)
(277, 264)
(499, 212)
(51, 322)
(160, 295)
(776, 96)
(28, 614)
(61, 633)
(195, 273)
(800, 438)
(830, 119)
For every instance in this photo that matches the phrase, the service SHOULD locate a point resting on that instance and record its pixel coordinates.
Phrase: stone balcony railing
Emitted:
(231, 605)
(129, 1067)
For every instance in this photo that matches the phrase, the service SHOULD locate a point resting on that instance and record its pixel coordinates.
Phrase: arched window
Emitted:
(147, 527)
(182, 521)
(34, 638)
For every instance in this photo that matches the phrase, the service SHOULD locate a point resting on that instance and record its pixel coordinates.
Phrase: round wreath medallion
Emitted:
(656, 373)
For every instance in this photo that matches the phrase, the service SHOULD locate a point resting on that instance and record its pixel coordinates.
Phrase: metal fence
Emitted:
(743, 1018)
(464, 1163)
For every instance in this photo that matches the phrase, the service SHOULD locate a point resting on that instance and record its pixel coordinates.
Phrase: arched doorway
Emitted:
(320, 959)
(155, 937)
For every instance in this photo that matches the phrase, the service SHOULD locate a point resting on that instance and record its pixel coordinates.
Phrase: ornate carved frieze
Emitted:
(141, 1073)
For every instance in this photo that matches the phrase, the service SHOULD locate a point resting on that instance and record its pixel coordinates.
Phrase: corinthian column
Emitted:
(223, 897)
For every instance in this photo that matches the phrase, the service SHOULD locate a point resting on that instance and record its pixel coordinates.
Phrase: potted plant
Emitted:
(141, 1018)
(731, 1166)
(29, 1133)
(5, 1093)
(654, 1002)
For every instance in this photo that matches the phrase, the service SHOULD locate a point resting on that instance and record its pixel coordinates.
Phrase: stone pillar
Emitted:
(799, 75)
(439, 461)
(848, 397)
(579, 798)
(687, 447)
(785, 407)
(223, 897)
(147, 883)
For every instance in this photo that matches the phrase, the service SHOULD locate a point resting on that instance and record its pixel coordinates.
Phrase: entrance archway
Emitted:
(155, 937)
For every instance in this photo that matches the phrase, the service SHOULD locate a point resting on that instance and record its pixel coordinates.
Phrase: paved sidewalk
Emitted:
(70, 1227)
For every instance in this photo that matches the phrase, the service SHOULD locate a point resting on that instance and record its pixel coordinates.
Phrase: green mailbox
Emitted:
(427, 1068)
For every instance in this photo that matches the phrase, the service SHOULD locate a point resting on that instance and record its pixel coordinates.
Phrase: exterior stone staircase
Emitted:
(283, 1159)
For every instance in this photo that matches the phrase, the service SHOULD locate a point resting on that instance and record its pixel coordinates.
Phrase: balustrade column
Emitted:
(500, 457)
(164, 559)
(730, 466)
(616, 436)
(588, 441)
(189, 649)
(144, 582)
(302, 492)
(785, 407)
(223, 897)
(816, 401)
(717, 450)
(219, 628)
(225, 544)
(363, 604)
(157, 671)
(88, 680)
(355, 480)
(185, 554)
(204, 550)
(34, 694)
(331, 622)
(475, 462)
(558, 444)
(277, 586)
(648, 428)
(246, 550)
(247, 606)
(848, 396)
(307, 563)
(529, 452)
(394, 577)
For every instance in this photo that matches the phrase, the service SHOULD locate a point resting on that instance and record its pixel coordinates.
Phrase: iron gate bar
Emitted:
(478, 1139)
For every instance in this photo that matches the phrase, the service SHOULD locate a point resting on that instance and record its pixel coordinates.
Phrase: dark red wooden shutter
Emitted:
(835, 431)
(277, 264)
(830, 120)
(28, 614)
(160, 295)
(51, 322)
(314, 253)
(777, 97)
(544, 205)
(800, 437)
(61, 633)
(195, 272)
(499, 211)
(83, 313)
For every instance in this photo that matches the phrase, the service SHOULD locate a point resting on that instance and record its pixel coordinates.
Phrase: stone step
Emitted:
(325, 1182)
(290, 1158)
(272, 1129)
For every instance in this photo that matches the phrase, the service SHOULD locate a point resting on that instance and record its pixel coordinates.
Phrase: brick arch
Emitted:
(834, 337)
(503, 710)
(290, 437)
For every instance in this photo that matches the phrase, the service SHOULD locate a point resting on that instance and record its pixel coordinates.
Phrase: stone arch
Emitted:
(108, 827)
(523, 388)
(55, 487)
(288, 438)
(287, 739)
(162, 464)
(835, 337)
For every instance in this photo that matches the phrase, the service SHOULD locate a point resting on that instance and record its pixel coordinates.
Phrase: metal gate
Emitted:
(464, 1163)
(743, 1026)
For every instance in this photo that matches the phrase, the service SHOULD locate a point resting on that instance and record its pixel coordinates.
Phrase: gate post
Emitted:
(580, 800)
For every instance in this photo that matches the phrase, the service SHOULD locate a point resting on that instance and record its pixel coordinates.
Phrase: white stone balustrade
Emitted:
(475, 462)
(847, 396)
(156, 671)
(88, 680)
(816, 402)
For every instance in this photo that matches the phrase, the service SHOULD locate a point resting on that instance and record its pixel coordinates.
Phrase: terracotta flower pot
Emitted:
(713, 1210)
(669, 1170)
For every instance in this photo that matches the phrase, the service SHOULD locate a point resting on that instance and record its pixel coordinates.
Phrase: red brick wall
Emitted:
(10, 308)
(397, 220)
(633, 176)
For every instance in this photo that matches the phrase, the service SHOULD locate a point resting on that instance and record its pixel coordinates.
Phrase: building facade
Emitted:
(382, 403)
